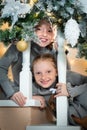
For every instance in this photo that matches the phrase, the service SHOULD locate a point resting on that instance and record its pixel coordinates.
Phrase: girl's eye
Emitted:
(38, 73)
(37, 29)
(50, 30)
(49, 71)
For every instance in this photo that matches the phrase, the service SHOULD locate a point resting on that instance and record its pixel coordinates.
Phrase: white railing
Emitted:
(26, 89)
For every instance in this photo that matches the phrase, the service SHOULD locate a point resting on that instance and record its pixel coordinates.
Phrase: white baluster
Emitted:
(26, 75)
(26, 79)
(62, 104)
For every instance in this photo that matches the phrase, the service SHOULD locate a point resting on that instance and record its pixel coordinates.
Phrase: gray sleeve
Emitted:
(76, 90)
(9, 57)
(76, 83)
(76, 78)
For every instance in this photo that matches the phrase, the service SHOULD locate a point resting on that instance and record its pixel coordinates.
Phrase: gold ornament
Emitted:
(22, 45)
(60, 20)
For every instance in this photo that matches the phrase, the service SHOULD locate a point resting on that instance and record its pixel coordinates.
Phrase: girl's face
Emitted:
(44, 73)
(45, 34)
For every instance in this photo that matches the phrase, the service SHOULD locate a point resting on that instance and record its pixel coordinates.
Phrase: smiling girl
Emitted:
(46, 77)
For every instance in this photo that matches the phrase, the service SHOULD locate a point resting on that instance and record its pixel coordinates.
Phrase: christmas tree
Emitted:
(70, 16)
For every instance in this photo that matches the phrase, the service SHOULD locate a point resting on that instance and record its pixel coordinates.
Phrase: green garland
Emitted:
(59, 12)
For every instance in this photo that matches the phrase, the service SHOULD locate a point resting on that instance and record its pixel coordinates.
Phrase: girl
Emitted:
(46, 35)
(45, 73)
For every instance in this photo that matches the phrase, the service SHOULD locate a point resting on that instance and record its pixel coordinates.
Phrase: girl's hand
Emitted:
(42, 101)
(61, 90)
(19, 98)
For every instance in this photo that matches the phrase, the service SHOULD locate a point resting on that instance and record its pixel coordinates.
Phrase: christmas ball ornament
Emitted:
(22, 45)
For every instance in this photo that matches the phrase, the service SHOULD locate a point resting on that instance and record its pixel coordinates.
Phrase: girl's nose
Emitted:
(43, 76)
(44, 33)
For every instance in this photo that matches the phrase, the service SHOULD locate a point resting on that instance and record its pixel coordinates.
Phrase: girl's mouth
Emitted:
(45, 82)
(44, 40)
